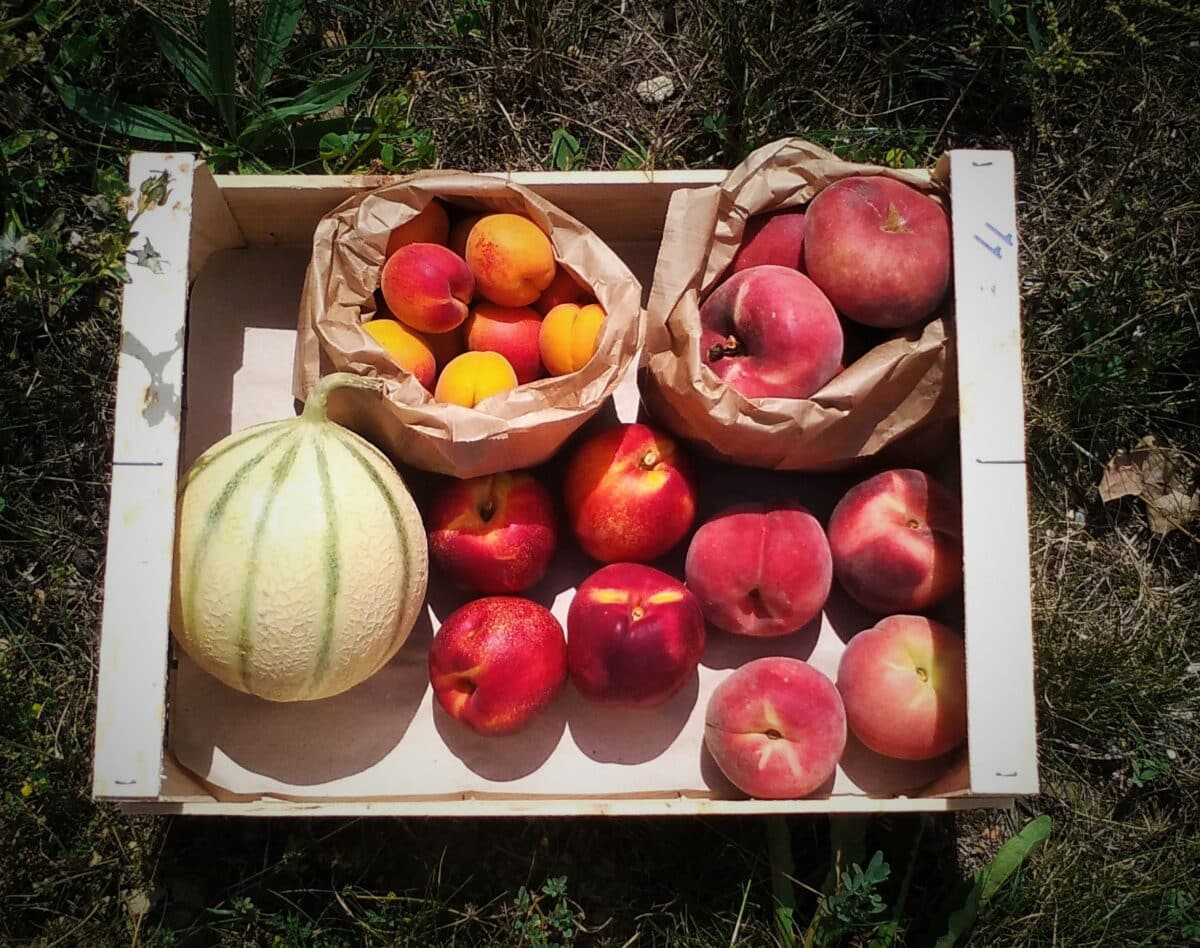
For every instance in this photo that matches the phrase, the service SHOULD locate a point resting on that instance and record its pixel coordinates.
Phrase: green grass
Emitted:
(1099, 105)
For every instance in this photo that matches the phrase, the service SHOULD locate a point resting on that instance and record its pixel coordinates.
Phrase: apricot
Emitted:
(568, 336)
(562, 289)
(427, 287)
(430, 226)
(510, 330)
(407, 348)
(511, 258)
(473, 376)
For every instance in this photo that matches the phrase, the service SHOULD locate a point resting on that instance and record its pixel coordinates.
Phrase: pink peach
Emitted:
(427, 287)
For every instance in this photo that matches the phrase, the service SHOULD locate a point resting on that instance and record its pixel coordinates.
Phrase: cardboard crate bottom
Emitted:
(248, 247)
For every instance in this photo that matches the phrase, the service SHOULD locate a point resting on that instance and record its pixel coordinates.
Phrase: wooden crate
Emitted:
(203, 215)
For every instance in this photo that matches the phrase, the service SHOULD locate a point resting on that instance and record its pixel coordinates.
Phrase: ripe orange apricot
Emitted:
(430, 226)
(408, 348)
(568, 337)
(511, 259)
(474, 376)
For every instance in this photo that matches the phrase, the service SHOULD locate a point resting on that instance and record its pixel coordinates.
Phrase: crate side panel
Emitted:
(137, 581)
(999, 632)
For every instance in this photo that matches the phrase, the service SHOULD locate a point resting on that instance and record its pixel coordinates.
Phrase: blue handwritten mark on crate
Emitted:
(996, 251)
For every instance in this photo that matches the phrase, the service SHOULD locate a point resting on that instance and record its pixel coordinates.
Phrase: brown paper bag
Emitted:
(894, 389)
(515, 429)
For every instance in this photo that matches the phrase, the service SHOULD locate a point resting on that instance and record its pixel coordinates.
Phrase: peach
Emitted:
(760, 571)
(497, 662)
(904, 684)
(768, 332)
(879, 249)
(568, 336)
(430, 226)
(427, 287)
(776, 727)
(774, 238)
(457, 241)
(511, 258)
(469, 378)
(408, 348)
(562, 289)
(494, 534)
(896, 542)
(510, 330)
(629, 494)
(634, 636)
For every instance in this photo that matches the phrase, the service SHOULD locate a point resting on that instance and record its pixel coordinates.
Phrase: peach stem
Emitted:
(895, 222)
(731, 347)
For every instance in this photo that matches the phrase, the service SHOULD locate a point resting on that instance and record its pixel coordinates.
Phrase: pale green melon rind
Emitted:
(212, 522)
(333, 569)
(229, 443)
(245, 642)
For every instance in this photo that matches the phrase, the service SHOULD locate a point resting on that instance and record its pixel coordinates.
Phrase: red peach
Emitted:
(776, 728)
(769, 332)
(629, 494)
(427, 287)
(904, 684)
(776, 237)
(759, 570)
(896, 542)
(511, 331)
(497, 662)
(495, 534)
(880, 250)
(634, 636)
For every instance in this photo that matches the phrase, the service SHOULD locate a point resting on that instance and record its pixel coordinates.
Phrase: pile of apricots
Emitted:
(476, 307)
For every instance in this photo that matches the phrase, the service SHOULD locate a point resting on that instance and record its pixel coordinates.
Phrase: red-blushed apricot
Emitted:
(495, 534)
(904, 684)
(896, 542)
(634, 636)
(511, 331)
(497, 662)
(879, 249)
(629, 494)
(408, 348)
(427, 287)
(776, 728)
(430, 226)
(759, 570)
(511, 258)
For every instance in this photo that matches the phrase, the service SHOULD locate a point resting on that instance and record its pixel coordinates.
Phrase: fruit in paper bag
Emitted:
(629, 494)
(896, 542)
(768, 332)
(761, 571)
(562, 289)
(473, 376)
(776, 727)
(300, 558)
(497, 662)
(904, 684)
(567, 340)
(408, 348)
(430, 226)
(495, 534)
(775, 238)
(879, 249)
(511, 331)
(511, 258)
(634, 636)
(427, 287)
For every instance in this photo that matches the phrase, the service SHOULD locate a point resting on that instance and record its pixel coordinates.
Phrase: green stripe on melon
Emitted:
(301, 561)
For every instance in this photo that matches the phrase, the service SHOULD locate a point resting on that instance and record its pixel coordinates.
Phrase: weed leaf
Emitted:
(222, 61)
(134, 121)
(185, 57)
(323, 95)
(275, 31)
(989, 879)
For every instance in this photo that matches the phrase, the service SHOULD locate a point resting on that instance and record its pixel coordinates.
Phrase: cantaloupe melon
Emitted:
(301, 561)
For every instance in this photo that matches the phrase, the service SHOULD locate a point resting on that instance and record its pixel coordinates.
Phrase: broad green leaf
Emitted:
(276, 28)
(134, 121)
(319, 97)
(222, 61)
(989, 879)
(186, 57)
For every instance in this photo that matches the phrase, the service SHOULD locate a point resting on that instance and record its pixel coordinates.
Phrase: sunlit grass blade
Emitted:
(276, 28)
(222, 61)
(120, 118)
